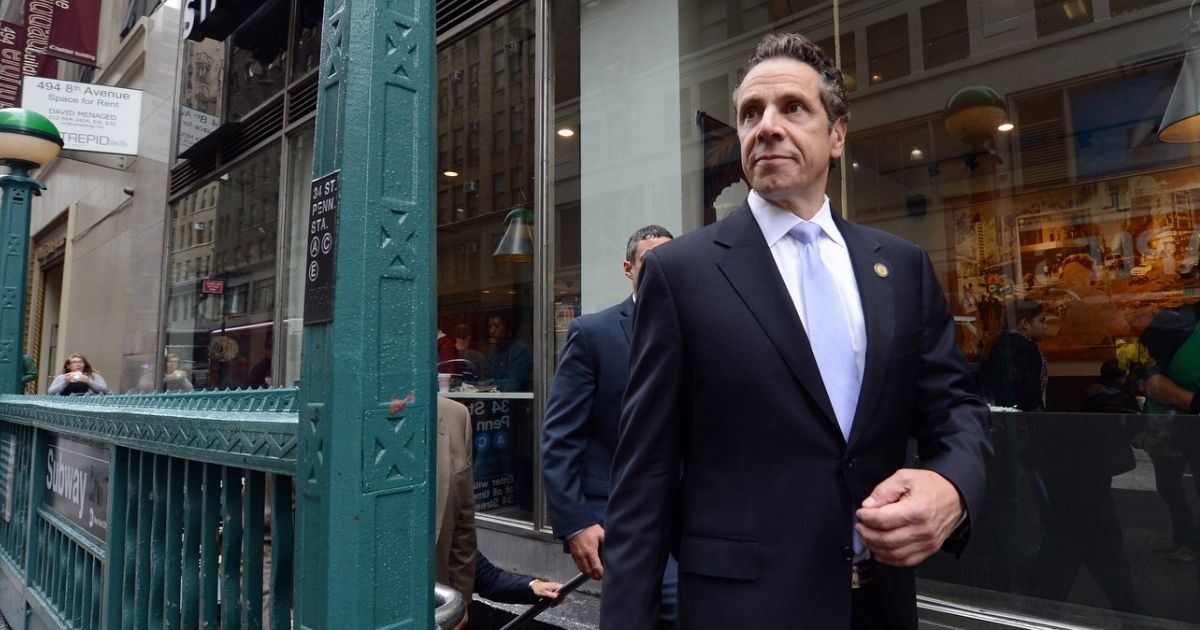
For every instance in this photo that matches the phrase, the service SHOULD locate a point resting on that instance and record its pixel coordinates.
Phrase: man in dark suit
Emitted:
(781, 358)
(580, 430)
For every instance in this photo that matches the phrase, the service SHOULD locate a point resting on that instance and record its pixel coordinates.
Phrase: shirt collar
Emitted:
(775, 222)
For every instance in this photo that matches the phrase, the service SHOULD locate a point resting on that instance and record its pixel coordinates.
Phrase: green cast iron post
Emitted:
(364, 477)
(19, 189)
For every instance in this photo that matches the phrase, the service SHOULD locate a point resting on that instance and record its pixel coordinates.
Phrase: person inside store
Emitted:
(1013, 372)
(750, 373)
(579, 433)
(174, 379)
(464, 342)
(1075, 458)
(77, 377)
(509, 367)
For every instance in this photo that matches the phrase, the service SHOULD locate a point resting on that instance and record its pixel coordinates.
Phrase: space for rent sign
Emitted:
(98, 118)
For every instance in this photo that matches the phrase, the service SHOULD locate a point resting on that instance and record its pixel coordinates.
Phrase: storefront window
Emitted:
(221, 292)
(201, 91)
(485, 251)
(300, 156)
(1027, 163)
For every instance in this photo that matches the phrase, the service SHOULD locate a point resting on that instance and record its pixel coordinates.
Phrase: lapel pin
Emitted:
(881, 270)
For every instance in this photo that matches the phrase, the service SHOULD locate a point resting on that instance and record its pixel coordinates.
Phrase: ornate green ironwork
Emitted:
(364, 497)
(189, 540)
(17, 190)
(214, 427)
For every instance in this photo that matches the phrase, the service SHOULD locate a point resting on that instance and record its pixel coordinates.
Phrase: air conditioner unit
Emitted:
(473, 186)
(456, 75)
(512, 47)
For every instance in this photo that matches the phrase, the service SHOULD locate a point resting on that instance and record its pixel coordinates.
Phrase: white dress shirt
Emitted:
(775, 223)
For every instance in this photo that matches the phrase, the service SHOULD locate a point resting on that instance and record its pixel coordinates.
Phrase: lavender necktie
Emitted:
(828, 334)
(827, 327)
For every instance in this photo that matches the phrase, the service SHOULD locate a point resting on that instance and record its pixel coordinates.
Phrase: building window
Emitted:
(887, 50)
(944, 33)
(1055, 16)
(849, 65)
(220, 340)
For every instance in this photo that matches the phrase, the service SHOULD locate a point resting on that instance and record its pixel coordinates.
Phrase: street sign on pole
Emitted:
(322, 234)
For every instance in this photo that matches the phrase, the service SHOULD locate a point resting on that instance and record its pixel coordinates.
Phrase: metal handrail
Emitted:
(449, 607)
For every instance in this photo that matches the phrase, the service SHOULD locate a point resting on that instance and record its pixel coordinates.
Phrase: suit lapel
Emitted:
(876, 290)
(626, 318)
(750, 268)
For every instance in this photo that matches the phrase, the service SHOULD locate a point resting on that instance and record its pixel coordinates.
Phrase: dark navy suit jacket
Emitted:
(579, 434)
(498, 585)
(723, 382)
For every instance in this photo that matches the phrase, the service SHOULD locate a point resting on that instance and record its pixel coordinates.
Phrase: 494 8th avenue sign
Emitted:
(97, 118)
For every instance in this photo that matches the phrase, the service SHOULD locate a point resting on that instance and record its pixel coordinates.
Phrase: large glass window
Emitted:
(485, 251)
(221, 294)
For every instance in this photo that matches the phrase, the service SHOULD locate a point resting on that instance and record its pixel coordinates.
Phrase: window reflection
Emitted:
(485, 301)
(257, 58)
(224, 233)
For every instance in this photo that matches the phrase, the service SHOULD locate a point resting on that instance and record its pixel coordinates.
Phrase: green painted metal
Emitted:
(189, 607)
(173, 547)
(209, 521)
(231, 549)
(16, 451)
(283, 539)
(18, 190)
(250, 603)
(250, 429)
(364, 498)
(18, 120)
(187, 512)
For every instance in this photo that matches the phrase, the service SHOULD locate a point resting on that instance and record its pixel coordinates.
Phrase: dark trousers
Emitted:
(871, 610)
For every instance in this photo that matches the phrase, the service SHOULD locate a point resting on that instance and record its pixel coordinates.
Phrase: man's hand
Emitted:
(546, 590)
(908, 516)
(585, 550)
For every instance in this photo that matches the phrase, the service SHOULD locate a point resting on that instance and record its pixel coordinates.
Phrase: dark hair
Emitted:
(508, 319)
(87, 367)
(1085, 260)
(649, 231)
(1111, 370)
(1021, 310)
(798, 47)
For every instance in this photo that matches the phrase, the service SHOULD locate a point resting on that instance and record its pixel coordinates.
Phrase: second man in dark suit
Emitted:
(580, 432)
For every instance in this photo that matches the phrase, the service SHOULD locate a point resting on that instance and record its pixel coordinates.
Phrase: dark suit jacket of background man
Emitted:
(582, 413)
(722, 378)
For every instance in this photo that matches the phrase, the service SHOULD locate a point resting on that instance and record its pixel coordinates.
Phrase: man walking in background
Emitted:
(580, 430)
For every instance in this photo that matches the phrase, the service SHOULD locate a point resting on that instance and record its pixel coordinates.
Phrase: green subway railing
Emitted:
(148, 511)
